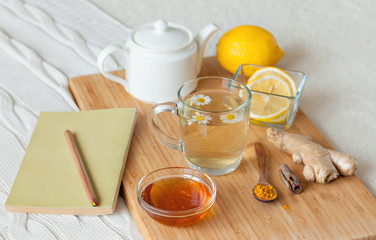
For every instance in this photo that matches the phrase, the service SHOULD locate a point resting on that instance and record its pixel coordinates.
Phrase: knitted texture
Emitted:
(41, 44)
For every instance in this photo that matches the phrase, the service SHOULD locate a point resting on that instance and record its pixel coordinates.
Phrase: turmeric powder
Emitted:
(265, 192)
(286, 207)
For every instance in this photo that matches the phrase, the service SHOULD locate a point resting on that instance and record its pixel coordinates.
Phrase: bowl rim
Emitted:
(177, 214)
(299, 88)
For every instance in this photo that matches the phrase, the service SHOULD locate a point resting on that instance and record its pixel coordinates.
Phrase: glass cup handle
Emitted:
(100, 62)
(158, 133)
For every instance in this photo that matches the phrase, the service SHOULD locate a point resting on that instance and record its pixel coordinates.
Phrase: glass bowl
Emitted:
(176, 196)
(285, 118)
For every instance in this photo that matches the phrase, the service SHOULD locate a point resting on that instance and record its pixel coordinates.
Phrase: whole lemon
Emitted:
(247, 44)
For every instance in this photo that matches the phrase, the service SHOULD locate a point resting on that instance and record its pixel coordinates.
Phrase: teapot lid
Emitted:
(161, 36)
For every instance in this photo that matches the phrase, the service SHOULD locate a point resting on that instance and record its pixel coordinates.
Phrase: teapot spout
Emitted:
(202, 39)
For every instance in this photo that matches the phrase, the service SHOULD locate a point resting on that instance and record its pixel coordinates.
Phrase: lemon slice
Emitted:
(266, 102)
(282, 118)
(273, 71)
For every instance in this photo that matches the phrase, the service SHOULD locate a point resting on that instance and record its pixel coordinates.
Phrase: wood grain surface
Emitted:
(343, 209)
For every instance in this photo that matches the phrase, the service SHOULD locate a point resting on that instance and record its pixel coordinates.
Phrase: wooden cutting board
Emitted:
(343, 209)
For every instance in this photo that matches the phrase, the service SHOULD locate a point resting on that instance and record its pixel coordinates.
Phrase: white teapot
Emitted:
(159, 58)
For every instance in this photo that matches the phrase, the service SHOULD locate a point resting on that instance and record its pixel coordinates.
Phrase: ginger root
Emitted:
(321, 165)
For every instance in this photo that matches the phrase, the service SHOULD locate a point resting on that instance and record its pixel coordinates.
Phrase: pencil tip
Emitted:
(94, 204)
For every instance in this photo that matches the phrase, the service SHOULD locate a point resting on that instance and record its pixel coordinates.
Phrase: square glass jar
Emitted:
(281, 118)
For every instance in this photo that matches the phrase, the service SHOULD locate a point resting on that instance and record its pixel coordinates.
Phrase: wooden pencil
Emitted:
(81, 168)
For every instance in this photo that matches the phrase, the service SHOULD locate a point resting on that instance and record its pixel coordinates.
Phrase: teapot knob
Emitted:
(161, 25)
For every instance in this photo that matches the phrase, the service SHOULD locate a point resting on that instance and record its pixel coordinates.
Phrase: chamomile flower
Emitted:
(200, 119)
(200, 99)
(231, 117)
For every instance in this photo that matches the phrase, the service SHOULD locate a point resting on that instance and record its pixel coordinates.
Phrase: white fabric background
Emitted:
(42, 43)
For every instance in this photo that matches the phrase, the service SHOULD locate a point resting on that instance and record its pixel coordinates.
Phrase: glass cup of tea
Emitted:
(214, 116)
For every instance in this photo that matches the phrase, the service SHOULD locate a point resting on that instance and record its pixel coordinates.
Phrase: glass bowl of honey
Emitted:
(176, 196)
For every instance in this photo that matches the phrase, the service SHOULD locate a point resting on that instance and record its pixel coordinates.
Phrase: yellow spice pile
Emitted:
(265, 192)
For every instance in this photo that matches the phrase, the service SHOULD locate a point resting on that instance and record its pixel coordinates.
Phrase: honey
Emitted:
(177, 194)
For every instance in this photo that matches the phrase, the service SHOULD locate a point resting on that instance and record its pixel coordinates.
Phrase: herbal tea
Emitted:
(214, 118)
(214, 137)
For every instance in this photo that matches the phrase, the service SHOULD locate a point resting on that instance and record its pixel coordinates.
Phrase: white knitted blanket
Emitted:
(42, 43)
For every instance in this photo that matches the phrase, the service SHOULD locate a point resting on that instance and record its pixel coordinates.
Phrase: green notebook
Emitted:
(48, 180)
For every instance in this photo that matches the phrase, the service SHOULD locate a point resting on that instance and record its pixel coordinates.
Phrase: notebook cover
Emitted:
(48, 180)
